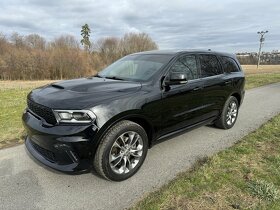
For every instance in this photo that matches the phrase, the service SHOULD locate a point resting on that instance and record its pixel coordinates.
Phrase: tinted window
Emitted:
(209, 65)
(186, 64)
(229, 64)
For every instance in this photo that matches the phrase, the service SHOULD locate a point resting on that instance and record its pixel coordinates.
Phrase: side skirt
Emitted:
(182, 131)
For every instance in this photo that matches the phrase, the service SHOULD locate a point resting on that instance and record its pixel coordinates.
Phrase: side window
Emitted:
(229, 64)
(209, 65)
(186, 64)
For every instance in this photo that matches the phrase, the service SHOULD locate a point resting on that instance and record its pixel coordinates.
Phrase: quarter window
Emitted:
(229, 64)
(209, 65)
(187, 65)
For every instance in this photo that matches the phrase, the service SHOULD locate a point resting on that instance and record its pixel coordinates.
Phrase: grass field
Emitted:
(264, 75)
(257, 80)
(13, 100)
(245, 176)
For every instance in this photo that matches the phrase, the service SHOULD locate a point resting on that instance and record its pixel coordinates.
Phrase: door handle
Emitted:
(227, 82)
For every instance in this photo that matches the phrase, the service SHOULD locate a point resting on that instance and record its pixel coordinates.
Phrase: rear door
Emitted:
(233, 71)
(217, 84)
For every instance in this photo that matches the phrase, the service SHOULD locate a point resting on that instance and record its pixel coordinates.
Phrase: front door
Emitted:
(182, 105)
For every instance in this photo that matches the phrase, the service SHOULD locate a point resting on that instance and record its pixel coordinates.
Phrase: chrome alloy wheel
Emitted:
(231, 113)
(126, 152)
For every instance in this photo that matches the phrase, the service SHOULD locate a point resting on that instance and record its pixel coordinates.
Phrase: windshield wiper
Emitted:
(97, 75)
(113, 77)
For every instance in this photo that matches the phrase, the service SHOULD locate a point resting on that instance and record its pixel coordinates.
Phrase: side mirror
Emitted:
(177, 78)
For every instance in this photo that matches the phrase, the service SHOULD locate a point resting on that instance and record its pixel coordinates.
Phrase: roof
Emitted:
(179, 51)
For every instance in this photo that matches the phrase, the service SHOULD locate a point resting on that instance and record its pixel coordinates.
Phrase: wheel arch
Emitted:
(238, 97)
(136, 118)
(145, 124)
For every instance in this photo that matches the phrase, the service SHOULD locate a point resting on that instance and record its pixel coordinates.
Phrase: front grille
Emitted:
(42, 111)
(44, 152)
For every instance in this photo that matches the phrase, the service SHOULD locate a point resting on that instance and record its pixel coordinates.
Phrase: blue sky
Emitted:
(220, 25)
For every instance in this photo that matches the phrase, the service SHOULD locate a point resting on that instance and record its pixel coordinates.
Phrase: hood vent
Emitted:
(57, 86)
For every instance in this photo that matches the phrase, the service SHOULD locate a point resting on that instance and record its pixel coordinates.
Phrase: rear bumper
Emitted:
(64, 148)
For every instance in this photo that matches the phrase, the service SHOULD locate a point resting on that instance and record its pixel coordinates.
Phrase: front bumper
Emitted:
(67, 148)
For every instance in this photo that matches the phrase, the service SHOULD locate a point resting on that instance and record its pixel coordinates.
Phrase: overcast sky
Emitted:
(217, 24)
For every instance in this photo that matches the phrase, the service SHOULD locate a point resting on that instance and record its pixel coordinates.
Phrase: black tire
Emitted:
(102, 161)
(222, 122)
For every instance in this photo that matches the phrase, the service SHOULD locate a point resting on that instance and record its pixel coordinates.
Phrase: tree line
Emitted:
(266, 58)
(32, 57)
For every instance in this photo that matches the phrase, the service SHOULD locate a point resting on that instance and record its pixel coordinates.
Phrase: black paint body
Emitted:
(161, 110)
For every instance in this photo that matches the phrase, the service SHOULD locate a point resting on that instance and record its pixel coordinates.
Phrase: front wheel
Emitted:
(229, 114)
(121, 151)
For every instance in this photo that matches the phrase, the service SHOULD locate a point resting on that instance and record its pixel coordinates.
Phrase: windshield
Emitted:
(135, 67)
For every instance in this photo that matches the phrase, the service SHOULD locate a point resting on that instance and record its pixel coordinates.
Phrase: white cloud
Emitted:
(222, 25)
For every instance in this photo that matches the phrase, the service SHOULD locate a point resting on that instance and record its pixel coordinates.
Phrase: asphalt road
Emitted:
(27, 185)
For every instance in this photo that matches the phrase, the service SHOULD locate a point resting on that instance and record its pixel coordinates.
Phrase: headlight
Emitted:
(74, 116)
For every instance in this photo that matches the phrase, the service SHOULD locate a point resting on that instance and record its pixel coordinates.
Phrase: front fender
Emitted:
(134, 115)
(143, 106)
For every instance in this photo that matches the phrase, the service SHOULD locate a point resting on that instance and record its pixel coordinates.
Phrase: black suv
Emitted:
(109, 120)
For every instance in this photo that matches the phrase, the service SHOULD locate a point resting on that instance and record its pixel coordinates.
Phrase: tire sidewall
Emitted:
(112, 135)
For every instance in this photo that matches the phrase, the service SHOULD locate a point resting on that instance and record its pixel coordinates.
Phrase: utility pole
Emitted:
(262, 33)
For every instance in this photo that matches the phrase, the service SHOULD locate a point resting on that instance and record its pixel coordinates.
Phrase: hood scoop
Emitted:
(57, 86)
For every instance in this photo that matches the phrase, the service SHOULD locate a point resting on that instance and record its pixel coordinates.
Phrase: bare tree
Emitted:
(17, 40)
(137, 42)
(109, 49)
(35, 41)
(66, 42)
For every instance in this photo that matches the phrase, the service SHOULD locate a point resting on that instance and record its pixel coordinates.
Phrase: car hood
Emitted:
(82, 93)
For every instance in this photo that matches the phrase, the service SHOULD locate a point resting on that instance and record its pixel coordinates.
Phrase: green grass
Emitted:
(264, 190)
(13, 102)
(257, 80)
(245, 176)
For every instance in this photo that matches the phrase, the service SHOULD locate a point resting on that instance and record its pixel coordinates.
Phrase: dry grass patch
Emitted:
(252, 69)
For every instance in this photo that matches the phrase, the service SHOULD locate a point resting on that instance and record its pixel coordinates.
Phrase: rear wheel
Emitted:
(229, 114)
(121, 151)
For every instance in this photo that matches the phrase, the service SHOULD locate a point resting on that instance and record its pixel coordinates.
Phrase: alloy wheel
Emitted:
(231, 113)
(126, 152)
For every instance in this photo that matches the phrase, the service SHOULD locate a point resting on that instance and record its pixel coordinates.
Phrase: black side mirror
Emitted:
(177, 78)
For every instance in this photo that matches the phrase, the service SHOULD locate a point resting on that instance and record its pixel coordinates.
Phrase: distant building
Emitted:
(272, 57)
